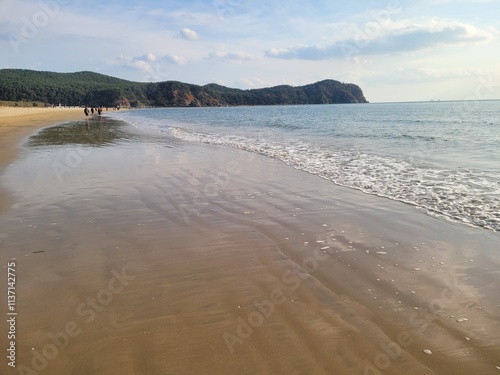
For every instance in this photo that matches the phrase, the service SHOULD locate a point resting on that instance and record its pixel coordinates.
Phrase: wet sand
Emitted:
(17, 123)
(145, 255)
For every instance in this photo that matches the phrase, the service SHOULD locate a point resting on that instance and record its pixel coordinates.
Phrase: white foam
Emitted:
(466, 196)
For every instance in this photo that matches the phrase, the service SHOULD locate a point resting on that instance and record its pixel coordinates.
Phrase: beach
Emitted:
(17, 122)
(139, 254)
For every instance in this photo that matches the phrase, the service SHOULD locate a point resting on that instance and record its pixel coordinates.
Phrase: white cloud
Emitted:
(141, 63)
(174, 59)
(201, 42)
(145, 59)
(252, 83)
(188, 34)
(395, 37)
(231, 56)
(150, 57)
(146, 64)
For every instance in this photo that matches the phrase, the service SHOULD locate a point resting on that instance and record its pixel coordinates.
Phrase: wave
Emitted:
(466, 196)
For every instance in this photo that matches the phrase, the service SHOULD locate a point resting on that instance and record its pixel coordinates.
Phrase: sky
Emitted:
(395, 50)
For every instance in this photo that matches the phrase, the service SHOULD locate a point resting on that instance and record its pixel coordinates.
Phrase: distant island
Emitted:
(94, 89)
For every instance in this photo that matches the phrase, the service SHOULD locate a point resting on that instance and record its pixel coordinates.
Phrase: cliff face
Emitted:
(88, 88)
(330, 92)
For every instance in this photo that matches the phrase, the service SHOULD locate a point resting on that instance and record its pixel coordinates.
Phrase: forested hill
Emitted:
(93, 89)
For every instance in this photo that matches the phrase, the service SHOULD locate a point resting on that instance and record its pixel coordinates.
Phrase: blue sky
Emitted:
(396, 50)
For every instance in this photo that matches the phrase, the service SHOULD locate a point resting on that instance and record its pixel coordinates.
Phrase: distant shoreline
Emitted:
(439, 101)
(95, 89)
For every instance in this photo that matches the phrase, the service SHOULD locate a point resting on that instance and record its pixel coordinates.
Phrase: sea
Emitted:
(441, 157)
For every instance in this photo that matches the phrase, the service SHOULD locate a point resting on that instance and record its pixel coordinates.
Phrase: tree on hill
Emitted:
(94, 89)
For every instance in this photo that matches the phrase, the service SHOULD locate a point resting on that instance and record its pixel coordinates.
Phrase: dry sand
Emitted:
(167, 257)
(17, 123)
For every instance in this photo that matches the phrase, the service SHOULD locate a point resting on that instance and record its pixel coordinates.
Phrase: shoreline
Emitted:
(237, 263)
(17, 123)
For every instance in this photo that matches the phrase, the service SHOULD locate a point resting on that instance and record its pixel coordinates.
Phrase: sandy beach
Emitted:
(17, 123)
(139, 255)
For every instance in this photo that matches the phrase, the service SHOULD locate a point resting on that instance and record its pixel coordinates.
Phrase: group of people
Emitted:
(92, 110)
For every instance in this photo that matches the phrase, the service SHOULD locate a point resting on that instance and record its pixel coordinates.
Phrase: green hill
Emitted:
(94, 89)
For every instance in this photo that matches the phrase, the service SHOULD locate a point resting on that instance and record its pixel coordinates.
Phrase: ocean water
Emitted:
(441, 157)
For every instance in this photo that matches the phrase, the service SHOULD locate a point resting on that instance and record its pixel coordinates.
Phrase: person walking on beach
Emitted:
(86, 111)
(99, 111)
(92, 110)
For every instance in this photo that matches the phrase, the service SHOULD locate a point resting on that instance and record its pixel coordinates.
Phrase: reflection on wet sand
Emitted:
(197, 259)
(98, 131)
